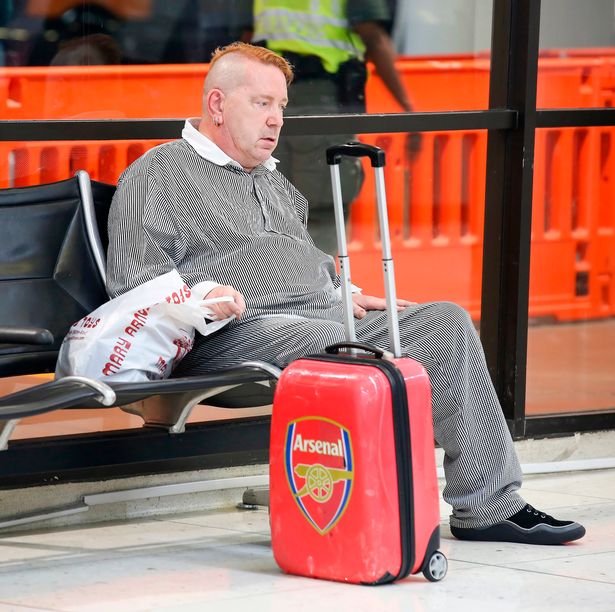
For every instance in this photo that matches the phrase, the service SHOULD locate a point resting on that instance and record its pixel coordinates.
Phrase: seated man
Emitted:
(213, 206)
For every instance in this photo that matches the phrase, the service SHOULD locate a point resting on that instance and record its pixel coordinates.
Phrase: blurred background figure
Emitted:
(93, 50)
(328, 42)
(62, 96)
(38, 28)
(204, 25)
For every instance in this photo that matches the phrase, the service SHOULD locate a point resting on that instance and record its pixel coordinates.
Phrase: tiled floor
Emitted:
(223, 561)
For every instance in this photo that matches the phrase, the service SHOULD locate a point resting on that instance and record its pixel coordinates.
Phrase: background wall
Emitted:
(424, 27)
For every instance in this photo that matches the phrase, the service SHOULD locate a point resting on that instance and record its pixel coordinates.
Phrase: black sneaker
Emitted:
(528, 526)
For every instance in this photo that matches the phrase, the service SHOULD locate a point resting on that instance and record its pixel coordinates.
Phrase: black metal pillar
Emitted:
(508, 205)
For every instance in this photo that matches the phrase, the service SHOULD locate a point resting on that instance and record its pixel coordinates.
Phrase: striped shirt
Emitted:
(187, 205)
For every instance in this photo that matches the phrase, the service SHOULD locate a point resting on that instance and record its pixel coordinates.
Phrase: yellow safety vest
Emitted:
(308, 27)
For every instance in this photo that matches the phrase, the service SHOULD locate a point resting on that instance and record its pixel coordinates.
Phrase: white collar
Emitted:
(207, 149)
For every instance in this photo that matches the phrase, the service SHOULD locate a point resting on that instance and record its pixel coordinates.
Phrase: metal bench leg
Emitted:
(171, 411)
(255, 497)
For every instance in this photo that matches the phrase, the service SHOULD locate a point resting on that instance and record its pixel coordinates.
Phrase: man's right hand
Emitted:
(223, 310)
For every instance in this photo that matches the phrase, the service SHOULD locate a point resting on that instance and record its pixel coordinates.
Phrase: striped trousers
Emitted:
(480, 464)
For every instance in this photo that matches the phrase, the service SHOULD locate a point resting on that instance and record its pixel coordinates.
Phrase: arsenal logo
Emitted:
(319, 467)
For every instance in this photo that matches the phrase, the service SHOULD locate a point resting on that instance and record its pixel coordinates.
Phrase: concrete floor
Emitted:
(222, 560)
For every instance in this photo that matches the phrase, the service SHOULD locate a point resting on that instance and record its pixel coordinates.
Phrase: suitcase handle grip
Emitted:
(355, 149)
(334, 349)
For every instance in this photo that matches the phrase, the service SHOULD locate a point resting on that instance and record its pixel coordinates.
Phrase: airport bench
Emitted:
(52, 270)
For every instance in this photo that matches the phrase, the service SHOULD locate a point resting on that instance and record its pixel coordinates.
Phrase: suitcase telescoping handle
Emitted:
(377, 158)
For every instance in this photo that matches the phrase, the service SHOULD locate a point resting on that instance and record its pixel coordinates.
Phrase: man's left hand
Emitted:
(361, 304)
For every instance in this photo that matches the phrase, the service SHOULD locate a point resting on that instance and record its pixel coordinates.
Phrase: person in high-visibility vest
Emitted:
(328, 43)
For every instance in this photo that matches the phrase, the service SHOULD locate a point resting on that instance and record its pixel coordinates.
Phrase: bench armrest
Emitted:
(10, 334)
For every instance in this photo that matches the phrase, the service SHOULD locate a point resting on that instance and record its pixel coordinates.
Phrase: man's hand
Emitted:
(223, 310)
(362, 303)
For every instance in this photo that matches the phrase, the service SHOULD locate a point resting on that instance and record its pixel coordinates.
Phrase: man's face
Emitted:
(253, 115)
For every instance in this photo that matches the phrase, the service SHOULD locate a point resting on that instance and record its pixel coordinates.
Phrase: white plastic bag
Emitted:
(139, 335)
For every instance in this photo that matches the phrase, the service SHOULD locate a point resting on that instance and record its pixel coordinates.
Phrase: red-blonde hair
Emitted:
(259, 54)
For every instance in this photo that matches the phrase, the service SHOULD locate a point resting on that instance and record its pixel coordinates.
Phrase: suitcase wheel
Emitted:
(436, 568)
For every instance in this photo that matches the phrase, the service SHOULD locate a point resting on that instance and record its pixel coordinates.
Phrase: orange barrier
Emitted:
(573, 230)
(31, 163)
(436, 204)
(436, 200)
(101, 92)
(436, 214)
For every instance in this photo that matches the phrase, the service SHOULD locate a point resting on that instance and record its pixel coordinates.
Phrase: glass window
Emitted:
(572, 283)
(444, 50)
(110, 59)
(59, 32)
(33, 163)
(571, 351)
(436, 210)
(576, 68)
(71, 59)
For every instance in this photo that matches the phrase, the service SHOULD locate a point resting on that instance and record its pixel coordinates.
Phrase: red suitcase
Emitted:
(353, 487)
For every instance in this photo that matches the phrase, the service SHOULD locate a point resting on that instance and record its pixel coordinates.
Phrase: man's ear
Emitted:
(215, 103)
